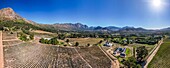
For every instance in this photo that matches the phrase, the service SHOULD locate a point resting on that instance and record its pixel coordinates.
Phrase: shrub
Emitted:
(77, 44)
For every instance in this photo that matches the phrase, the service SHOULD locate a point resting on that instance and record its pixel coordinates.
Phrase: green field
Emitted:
(128, 51)
(162, 58)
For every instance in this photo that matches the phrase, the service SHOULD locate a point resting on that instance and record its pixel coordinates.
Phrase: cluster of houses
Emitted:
(120, 52)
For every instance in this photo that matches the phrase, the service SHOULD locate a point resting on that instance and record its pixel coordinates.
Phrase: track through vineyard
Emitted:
(29, 55)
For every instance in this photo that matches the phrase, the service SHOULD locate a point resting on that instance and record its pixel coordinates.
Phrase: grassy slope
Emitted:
(162, 58)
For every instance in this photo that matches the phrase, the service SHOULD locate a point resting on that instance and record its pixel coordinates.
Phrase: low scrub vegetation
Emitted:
(52, 41)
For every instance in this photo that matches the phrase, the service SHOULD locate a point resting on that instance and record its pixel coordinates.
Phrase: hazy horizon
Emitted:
(153, 14)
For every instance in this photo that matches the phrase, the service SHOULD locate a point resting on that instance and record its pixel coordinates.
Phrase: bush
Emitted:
(88, 44)
(31, 36)
(65, 45)
(67, 40)
(77, 44)
(23, 38)
(53, 41)
(42, 40)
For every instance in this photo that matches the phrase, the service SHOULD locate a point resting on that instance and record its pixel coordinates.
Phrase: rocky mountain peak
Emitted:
(8, 14)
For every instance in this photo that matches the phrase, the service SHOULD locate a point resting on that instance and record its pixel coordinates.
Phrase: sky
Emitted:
(150, 14)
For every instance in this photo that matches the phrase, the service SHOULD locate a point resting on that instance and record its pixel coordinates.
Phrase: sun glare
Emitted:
(157, 4)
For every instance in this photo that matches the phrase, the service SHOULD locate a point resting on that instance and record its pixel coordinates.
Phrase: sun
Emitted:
(157, 4)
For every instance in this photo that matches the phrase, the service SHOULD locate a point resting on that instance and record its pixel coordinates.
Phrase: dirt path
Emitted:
(11, 39)
(115, 62)
(83, 58)
(153, 54)
(1, 52)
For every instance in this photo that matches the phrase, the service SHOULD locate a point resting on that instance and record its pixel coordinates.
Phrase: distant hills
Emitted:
(8, 14)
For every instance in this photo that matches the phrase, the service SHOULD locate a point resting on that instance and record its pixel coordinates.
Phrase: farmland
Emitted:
(85, 41)
(161, 59)
(28, 55)
(8, 36)
(94, 54)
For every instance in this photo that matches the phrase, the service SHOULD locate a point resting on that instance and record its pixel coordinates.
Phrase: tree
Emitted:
(54, 41)
(67, 40)
(100, 41)
(31, 36)
(131, 63)
(77, 44)
(88, 44)
(23, 38)
(142, 52)
(42, 40)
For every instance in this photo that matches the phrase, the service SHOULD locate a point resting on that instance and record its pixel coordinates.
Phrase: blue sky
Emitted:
(149, 14)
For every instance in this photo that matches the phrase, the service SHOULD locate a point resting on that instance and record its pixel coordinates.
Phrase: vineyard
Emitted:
(161, 59)
(8, 36)
(29, 55)
(94, 57)
(8, 43)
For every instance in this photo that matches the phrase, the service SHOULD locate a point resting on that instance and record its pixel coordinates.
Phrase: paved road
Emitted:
(153, 54)
(1, 52)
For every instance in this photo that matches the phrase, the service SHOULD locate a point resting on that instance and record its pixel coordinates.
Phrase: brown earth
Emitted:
(1, 51)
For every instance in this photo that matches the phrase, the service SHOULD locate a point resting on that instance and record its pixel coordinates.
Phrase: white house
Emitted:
(108, 44)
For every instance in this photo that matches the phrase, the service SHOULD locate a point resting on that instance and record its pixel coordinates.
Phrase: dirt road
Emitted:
(153, 53)
(1, 51)
(115, 62)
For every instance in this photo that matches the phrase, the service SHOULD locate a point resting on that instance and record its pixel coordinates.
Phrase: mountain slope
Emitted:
(8, 15)
(9, 18)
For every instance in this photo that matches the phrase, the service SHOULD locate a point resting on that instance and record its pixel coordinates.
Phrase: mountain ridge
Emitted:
(8, 14)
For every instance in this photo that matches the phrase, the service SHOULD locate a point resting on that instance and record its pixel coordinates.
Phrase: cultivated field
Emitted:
(161, 59)
(85, 41)
(8, 36)
(9, 43)
(93, 55)
(29, 55)
(10, 39)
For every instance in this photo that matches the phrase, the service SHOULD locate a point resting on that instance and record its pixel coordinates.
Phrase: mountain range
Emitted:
(8, 14)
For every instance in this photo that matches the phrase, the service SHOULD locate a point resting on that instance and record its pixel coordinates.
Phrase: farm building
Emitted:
(47, 38)
(120, 52)
(108, 44)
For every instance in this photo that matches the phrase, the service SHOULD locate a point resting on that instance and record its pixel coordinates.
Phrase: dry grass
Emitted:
(42, 32)
(85, 41)
(148, 47)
